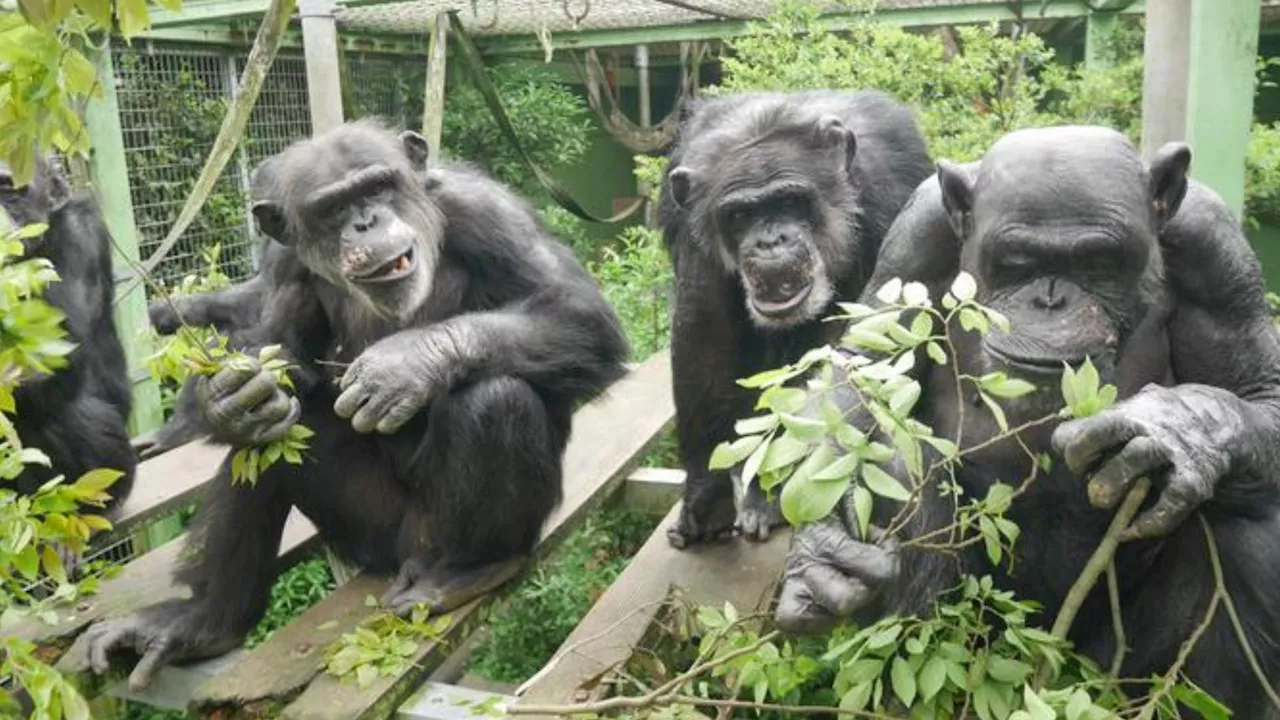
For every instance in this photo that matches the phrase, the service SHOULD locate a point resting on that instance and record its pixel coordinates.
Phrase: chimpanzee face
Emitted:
(1060, 229)
(778, 211)
(33, 203)
(356, 212)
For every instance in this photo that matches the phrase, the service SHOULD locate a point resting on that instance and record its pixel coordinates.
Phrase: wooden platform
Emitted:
(609, 437)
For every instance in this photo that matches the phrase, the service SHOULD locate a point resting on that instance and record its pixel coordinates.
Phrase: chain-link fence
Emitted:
(172, 101)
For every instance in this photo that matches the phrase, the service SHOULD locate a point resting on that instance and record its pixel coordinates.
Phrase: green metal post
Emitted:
(1098, 27)
(1220, 88)
(110, 177)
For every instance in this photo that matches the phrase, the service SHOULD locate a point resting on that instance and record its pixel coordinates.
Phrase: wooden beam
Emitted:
(969, 13)
(609, 437)
(740, 572)
(223, 12)
(1165, 55)
(109, 171)
(320, 45)
(433, 97)
(167, 482)
(1220, 89)
(653, 491)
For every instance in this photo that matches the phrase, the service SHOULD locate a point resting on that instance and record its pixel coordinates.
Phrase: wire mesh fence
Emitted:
(172, 101)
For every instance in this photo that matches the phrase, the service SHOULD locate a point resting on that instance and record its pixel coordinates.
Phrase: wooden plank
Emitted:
(169, 481)
(740, 572)
(145, 581)
(433, 96)
(610, 435)
(653, 491)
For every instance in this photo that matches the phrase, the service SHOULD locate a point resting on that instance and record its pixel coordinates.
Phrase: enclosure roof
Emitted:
(519, 17)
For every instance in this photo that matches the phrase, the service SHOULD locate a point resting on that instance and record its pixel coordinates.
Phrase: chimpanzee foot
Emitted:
(160, 635)
(756, 523)
(442, 589)
(702, 522)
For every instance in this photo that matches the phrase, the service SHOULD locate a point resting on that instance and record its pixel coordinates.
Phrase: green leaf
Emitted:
(97, 10)
(890, 292)
(884, 637)
(97, 481)
(804, 428)
(903, 681)
(990, 538)
(80, 74)
(855, 311)
(996, 411)
(132, 17)
(999, 497)
(971, 319)
(870, 340)
(945, 447)
(1008, 670)
(840, 469)
(922, 324)
(28, 561)
(1002, 386)
(857, 698)
(850, 437)
(1038, 709)
(883, 484)
(936, 353)
(805, 501)
(1080, 703)
(784, 400)
(914, 293)
(904, 398)
(964, 288)
(726, 455)
(862, 505)
(932, 677)
(1200, 701)
(53, 564)
(755, 425)
(751, 467)
(782, 452)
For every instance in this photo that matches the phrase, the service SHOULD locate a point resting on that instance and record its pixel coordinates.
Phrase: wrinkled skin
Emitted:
(440, 339)
(773, 208)
(1148, 274)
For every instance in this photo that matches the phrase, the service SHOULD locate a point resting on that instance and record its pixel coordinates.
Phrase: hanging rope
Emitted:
(634, 137)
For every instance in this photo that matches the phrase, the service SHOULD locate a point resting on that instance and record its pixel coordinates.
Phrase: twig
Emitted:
(1093, 569)
(636, 702)
(1166, 683)
(1230, 606)
(1117, 619)
(663, 694)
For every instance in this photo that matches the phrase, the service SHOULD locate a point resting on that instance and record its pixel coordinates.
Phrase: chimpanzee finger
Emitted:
(156, 656)
(259, 389)
(271, 411)
(351, 375)
(1174, 506)
(350, 400)
(397, 415)
(871, 563)
(798, 612)
(367, 417)
(1141, 456)
(280, 429)
(1082, 442)
(228, 380)
(840, 594)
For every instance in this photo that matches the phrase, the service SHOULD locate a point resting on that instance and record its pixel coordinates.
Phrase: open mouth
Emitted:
(394, 269)
(778, 309)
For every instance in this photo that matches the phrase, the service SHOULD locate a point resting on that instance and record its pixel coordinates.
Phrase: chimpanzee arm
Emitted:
(562, 337)
(228, 310)
(1218, 429)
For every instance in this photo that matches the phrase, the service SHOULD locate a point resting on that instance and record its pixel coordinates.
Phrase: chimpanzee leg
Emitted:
(83, 435)
(235, 540)
(489, 474)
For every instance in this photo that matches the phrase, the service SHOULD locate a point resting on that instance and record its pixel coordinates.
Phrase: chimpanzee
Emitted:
(1089, 253)
(773, 208)
(452, 324)
(78, 415)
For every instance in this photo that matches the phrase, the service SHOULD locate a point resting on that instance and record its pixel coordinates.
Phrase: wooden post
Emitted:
(1220, 89)
(1164, 84)
(433, 103)
(109, 173)
(320, 47)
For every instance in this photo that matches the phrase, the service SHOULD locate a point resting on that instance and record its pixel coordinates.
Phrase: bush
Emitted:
(636, 277)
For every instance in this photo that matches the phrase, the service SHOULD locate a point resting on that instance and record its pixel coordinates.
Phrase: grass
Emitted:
(540, 612)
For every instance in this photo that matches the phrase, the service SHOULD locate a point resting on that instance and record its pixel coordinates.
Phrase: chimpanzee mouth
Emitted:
(1034, 364)
(772, 309)
(396, 268)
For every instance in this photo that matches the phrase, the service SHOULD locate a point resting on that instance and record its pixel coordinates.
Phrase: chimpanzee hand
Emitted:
(831, 575)
(160, 635)
(245, 406)
(393, 379)
(1179, 437)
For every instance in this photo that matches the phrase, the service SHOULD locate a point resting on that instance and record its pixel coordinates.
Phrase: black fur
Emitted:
(856, 157)
(522, 333)
(78, 415)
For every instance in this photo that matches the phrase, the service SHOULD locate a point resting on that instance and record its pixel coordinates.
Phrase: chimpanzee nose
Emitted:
(778, 238)
(366, 221)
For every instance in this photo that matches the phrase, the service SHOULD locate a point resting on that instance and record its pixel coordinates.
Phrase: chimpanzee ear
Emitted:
(416, 148)
(833, 133)
(270, 220)
(957, 197)
(680, 182)
(1168, 174)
